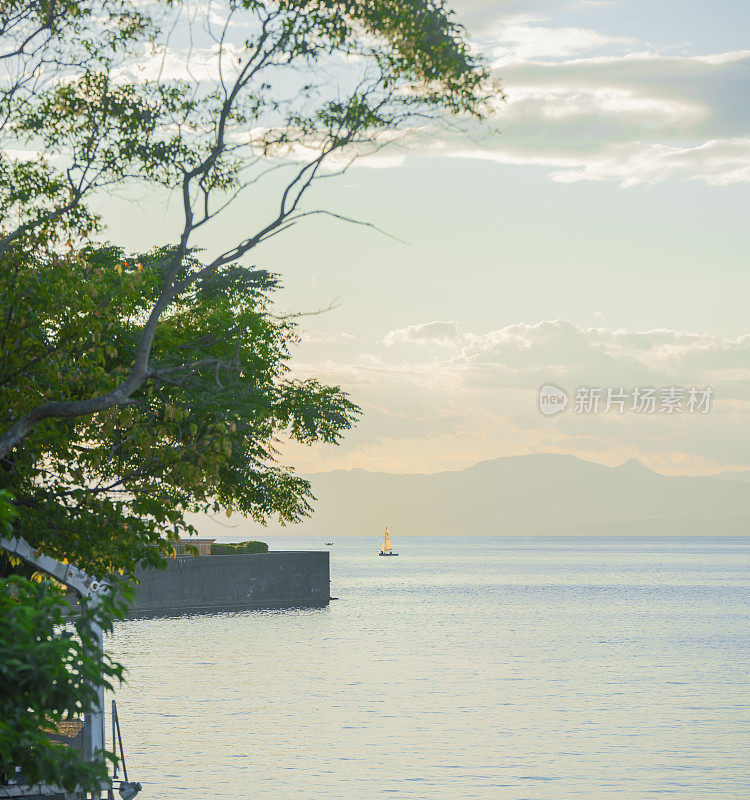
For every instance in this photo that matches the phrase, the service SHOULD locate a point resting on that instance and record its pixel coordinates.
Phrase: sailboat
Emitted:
(385, 550)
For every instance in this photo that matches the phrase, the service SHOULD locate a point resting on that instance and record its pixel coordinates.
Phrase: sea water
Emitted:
(493, 668)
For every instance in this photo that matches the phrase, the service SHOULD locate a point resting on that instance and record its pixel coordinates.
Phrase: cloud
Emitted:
(476, 397)
(718, 162)
(638, 61)
(524, 38)
(587, 106)
(324, 337)
(441, 333)
(631, 119)
(627, 114)
(520, 355)
(627, 107)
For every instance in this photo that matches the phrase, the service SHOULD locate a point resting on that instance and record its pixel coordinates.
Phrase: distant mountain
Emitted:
(520, 495)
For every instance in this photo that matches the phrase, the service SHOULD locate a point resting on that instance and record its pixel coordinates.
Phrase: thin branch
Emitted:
(351, 220)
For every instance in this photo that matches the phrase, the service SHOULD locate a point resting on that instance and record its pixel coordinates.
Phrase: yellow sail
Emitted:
(386, 542)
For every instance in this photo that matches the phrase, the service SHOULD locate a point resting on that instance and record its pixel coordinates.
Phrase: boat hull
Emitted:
(387, 554)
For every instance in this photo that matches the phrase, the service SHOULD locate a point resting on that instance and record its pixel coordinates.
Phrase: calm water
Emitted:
(490, 668)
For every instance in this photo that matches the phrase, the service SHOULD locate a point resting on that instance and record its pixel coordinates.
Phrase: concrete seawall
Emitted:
(246, 581)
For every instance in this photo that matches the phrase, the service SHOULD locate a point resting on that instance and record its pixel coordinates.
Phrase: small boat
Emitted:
(385, 550)
(329, 544)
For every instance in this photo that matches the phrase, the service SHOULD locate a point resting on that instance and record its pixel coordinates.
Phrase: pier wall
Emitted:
(283, 579)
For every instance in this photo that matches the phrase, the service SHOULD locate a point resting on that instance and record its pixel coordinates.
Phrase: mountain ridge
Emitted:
(534, 494)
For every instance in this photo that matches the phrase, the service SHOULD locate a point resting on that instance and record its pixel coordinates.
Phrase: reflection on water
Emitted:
(498, 668)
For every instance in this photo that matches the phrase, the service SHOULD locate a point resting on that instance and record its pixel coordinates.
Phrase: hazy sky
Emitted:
(596, 235)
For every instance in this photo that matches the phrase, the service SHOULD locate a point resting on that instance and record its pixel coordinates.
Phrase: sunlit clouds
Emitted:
(442, 396)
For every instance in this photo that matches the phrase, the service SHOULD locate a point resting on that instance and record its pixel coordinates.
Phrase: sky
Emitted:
(593, 237)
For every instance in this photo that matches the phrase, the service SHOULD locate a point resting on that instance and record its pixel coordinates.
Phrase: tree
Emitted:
(45, 679)
(398, 62)
(136, 387)
(104, 490)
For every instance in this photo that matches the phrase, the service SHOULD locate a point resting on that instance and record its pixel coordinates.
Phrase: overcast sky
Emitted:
(596, 235)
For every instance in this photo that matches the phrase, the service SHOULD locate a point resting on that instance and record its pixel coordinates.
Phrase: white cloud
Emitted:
(641, 59)
(628, 116)
(442, 333)
(521, 355)
(559, 341)
(324, 337)
(624, 106)
(586, 105)
(522, 39)
(477, 399)
(718, 162)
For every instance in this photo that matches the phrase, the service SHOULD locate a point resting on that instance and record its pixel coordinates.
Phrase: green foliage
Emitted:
(46, 47)
(235, 548)
(46, 677)
(105, 490)
(7, 514)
